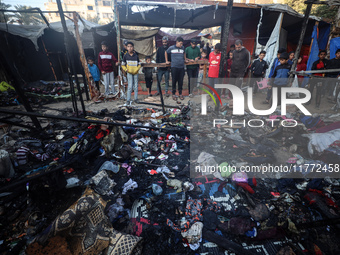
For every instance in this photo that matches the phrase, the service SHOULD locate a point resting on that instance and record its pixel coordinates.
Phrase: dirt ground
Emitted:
(112, 104)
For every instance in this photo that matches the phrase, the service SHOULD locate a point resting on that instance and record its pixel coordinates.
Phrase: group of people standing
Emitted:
(177, 56)
(237, 65)
(106, 63)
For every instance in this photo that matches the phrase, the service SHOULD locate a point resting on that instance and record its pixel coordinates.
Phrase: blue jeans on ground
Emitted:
(132, 83)
(160, 74)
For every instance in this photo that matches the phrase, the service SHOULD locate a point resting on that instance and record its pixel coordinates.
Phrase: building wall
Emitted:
(88, 9)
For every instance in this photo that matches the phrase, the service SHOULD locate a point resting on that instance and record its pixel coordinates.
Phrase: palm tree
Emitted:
(27, 18)
(4, 17)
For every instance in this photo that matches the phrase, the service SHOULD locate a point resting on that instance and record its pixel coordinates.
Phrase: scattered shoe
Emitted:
(174, 97)
(181, 97)
(191, 95)
(150, 95)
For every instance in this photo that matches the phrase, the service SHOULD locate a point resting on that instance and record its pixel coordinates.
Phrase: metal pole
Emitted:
(70, 58)
(302, 35)
(117, 26)
(67, 47)
(225, 36)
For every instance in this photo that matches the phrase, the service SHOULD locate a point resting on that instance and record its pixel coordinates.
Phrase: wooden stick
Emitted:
(82, 55)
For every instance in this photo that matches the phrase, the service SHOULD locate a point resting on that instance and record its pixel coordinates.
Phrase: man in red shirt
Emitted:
(106, 63)
(317, 79)
(214, 67)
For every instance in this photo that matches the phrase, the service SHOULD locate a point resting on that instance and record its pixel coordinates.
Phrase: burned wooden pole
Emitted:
(302, 35)
(225, 36)
(82, 120)
(82, 55)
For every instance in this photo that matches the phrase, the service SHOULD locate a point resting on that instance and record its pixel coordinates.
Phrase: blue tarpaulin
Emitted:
(314, 54)
(333, 46)
(323, 37)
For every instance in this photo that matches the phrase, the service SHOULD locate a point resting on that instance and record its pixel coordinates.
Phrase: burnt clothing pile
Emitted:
(134, 189)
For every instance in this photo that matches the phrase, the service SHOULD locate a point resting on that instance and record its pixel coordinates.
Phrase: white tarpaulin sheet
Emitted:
(273, 43)
(34, 32)
(30, 32)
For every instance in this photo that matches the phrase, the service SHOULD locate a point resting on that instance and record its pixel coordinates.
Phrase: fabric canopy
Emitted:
(34, 32)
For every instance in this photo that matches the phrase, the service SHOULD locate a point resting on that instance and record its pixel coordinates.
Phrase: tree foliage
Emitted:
(297, 5)
(326, 12)
(323, 11)
(27, 18)
(4, 16)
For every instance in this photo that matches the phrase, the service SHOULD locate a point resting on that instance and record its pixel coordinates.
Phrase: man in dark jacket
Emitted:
(160, 58)
(241, 61)
(317, 79)
(332, 77)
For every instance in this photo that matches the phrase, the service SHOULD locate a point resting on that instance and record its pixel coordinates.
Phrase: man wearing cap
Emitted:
(160, 58)
(192, 53)
(123, 52)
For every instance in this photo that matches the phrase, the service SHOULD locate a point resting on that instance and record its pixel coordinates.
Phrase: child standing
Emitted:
(200, 73)
(258, 70)
(214, 68)
(106, 63)
(94, 71)
(131, 65)
(280, 76)
(214, 65)
(148, 74)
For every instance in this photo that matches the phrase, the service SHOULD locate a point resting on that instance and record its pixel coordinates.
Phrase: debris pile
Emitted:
(131, 186)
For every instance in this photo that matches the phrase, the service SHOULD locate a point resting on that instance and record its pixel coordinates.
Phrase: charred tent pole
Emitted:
(70, 60)
(169, 106)
(225, 37)
(302, 36)
(82, 120)
(82, 56)
(117, 28)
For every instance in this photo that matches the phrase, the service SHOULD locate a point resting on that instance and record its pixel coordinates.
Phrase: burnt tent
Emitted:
(243, 25)
(38, 52)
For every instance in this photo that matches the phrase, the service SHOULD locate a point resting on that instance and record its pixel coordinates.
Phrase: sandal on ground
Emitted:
(174, 97)
(181, 97)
